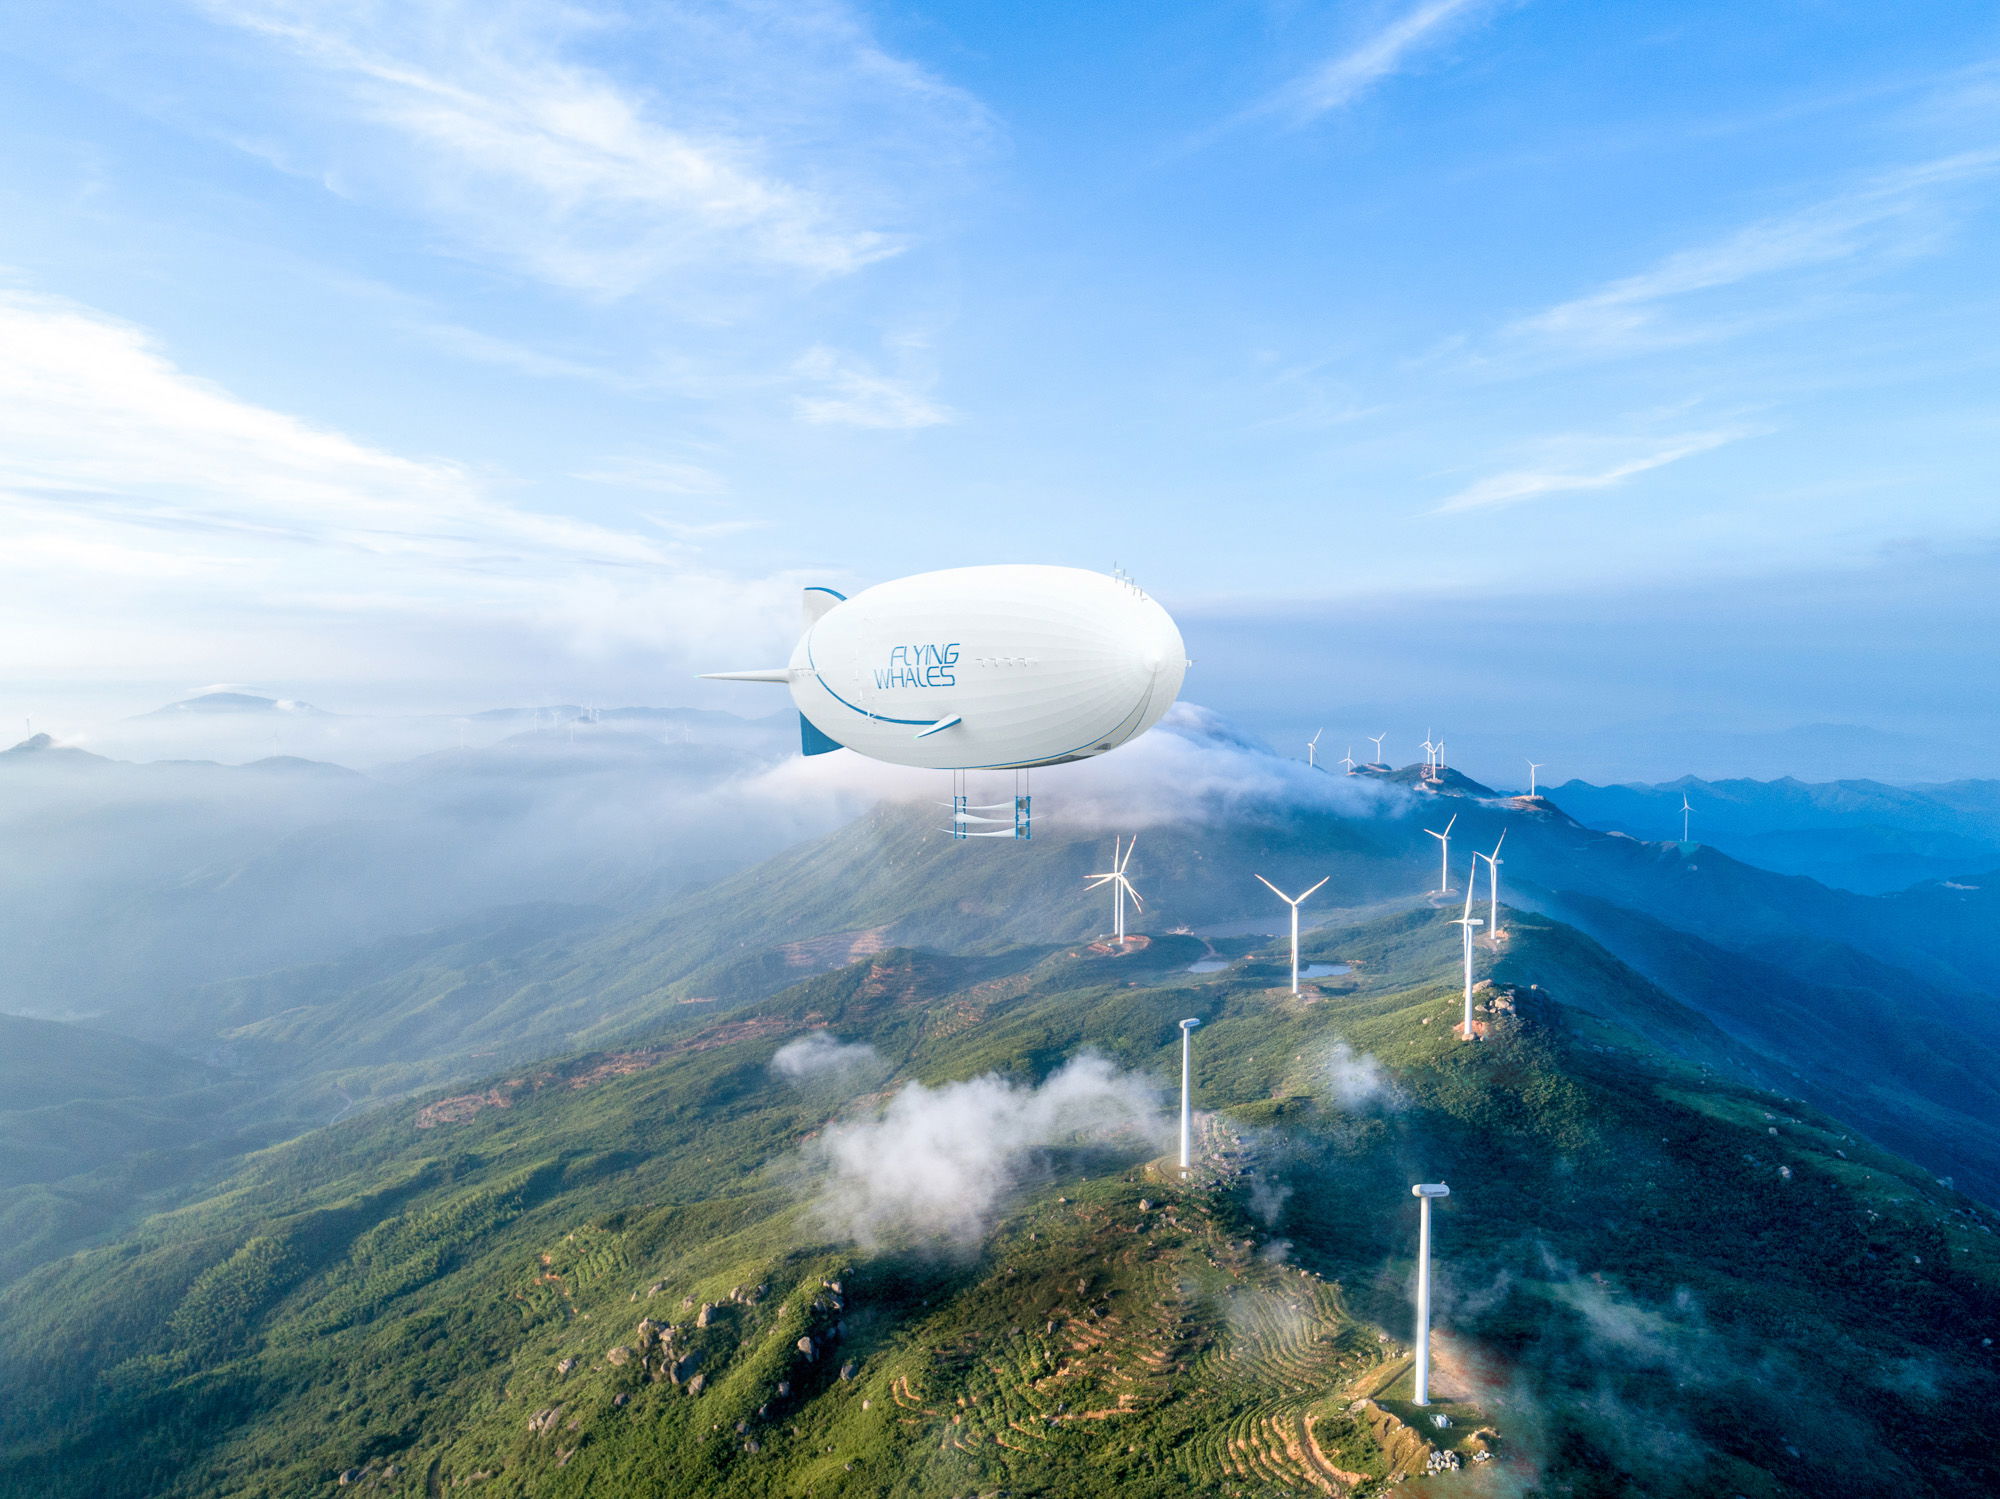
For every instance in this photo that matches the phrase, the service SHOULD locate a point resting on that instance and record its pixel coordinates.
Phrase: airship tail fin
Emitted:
(818, 600)
(813, 742)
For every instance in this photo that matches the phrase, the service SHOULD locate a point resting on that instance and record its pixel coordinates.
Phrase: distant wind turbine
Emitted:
(1312, 749)
(1686, 812)
(1493, 863)
(1121, 887)
(1533, 766)
(1347, 760)
(1376, 740)
(1294, 902)
(1444, 854)
(1468, 921)
(1430, 755)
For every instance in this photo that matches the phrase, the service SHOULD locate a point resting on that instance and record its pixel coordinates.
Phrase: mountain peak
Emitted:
(232, 702)
(43, 748)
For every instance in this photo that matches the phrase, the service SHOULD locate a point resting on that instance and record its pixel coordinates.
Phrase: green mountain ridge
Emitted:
(1645, 1268)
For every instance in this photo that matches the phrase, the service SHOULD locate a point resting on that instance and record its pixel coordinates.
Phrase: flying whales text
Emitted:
(919, 666)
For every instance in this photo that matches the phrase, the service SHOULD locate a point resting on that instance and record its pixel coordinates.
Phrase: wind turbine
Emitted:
(1312, 750)
(1294, 902)
(1493, 863)
(1444, 854)
(1347, 760)
(1424, 1192)
(1187, 1109)
(1533, 766)
(1430, 755)
(1686, 811)
(1468, 921)
(1120, 885)
(1376, 740)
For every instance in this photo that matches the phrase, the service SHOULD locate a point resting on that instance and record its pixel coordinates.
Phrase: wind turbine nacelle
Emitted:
(997, 667)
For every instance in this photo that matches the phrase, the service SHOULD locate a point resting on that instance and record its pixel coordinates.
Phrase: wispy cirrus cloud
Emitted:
(1888, 219)
(849, 393)
(528, 138)
(1391, 49)
(1517, 486)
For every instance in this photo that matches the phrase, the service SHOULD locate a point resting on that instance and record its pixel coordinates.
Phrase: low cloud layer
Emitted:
(1357, 1082)
(935, 1166)
(819, 1055)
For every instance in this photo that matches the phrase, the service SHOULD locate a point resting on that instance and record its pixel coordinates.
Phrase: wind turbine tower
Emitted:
(1468, 921)
(1376, 740)
(1187, 1092)
(1424, 1192)
(1686, 813)
(1493, 863)
(1533, 766)
(1294, 903)
(1121, 887)
(1312, 750)
(1444, 854)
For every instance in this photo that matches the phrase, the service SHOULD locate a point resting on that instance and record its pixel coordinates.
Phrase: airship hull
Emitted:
(989, 667)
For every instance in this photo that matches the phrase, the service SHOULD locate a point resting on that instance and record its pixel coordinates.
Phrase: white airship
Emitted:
(977, 668)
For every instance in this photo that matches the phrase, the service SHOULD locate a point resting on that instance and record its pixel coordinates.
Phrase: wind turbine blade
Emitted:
(1497, 847)
(1471, 875)
(1274, 890)
(1135, 896)
(1309, 892)
(1128, 853)
(1450, 825)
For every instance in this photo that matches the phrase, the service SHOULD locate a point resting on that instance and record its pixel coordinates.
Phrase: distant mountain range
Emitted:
(236, 726)
(1858, 834)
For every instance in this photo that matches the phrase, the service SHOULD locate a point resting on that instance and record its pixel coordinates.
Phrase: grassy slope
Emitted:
(1638, 1292)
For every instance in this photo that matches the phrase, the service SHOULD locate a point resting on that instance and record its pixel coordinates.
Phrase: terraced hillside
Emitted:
(635, 1271)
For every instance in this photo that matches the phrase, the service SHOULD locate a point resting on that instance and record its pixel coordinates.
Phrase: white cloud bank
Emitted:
(819, 1055)
(160, 526)
(934, 1166)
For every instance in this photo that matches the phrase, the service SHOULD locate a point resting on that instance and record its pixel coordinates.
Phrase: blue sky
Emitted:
(451, 354)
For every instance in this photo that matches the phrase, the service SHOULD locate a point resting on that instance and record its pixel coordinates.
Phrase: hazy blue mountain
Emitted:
(231, 702)
(232, 726)
(94, 1125)
(128, 883)
(1858, 834)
